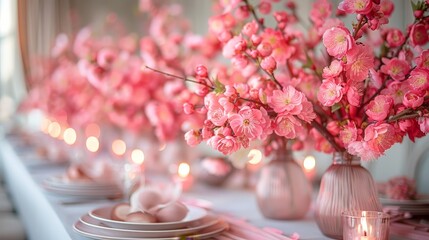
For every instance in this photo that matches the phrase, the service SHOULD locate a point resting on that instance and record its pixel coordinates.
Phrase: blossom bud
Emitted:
(359, 17)
(188, 108)
(254, 54)
(281, 25)
(418, 14)
(202, 91)
(256, 40)
(242, 12)
(240, 46)
(291, 5)
(269, 64)
(264, 49)
(201, 71)
(225, 36)
(193, 137)
(281, 16)
(265, 7)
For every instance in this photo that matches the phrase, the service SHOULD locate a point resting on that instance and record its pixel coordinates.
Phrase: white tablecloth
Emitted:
(47, 216)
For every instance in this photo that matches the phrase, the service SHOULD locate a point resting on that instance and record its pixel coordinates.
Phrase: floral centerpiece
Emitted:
(354, 90)
(284, 81)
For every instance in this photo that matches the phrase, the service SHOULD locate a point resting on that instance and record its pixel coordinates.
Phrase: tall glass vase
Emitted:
(346, 185)
(283, 191)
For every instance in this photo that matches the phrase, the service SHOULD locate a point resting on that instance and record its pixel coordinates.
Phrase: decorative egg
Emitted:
(120, 211)
(140, 217)
(173, 212)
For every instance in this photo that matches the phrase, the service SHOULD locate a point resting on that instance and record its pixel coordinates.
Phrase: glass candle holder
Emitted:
(365, 225)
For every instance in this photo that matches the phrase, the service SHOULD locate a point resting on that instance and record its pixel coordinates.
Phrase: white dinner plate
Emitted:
(64, 182)
(94, 233)
(421, 200)
(191, 229)
(83, 193)
(104, 215)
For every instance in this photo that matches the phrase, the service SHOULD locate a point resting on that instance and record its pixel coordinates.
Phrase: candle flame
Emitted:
(69, 136)
(309, 162)
(364, 224)
(137, 156)
(54, 129)
(92, 144)
(119, 147)
(183, 170)
(255, 156)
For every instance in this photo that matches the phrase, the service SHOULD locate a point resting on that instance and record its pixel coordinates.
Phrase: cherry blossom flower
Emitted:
(329, 93)
(395, 38)
(397, 69)
(337, 41)
(356, 6)
(247, 122)
(193, 137)
(413, 100)
(422, 60)
(360, 60)
(419, 79)
(378, 109)
(419, 34)
(289, 100)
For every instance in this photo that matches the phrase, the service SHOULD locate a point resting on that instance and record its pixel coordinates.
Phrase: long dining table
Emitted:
(51, 216)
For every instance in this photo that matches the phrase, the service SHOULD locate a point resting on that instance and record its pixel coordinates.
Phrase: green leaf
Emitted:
(219, 87)
(413, 5)
(336, 107)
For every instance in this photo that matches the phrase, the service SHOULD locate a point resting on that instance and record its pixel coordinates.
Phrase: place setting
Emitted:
(94, 180)
(151, 213)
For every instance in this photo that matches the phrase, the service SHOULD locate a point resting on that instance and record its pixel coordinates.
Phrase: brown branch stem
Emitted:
(179, 77)
(327, 135)
(252, 10)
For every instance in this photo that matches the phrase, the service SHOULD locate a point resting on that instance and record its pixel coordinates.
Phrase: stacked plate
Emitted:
(417, 207)
(62, 185)
(197, 224)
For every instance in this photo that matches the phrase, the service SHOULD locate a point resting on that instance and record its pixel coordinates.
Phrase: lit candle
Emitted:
(184, 176)
(255, 160)
(92, 144)
(54, 129)
(137, 156)
(366, 230)
(134, 171)
(365, 225)
(119, 147)
(69, 136)
(309, 166)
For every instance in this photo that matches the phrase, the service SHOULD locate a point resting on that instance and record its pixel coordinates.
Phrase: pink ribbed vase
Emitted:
(283, 191)
(346, 185)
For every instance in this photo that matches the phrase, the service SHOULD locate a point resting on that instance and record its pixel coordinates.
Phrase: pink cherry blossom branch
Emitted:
(327, 135)
(179, 77)
(252, 10)
(271, 75)
(359, 26)
(204, 84)
(406, 114)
